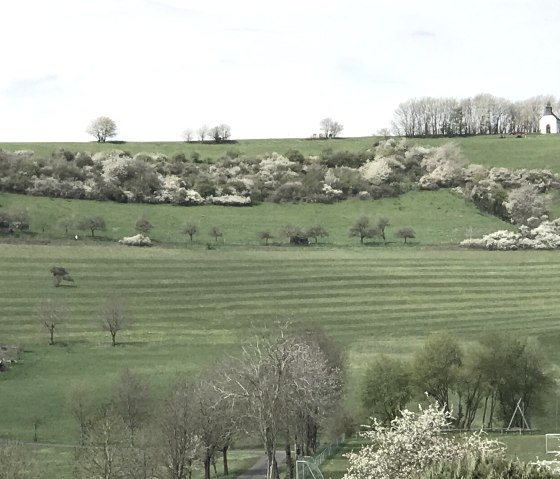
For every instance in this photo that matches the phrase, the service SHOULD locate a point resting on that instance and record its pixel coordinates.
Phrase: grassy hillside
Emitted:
(534, 151)
(438, 218)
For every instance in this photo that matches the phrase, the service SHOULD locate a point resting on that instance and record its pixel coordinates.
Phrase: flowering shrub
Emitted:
(136, 240)
(230, 200)
(544, 236)
(414, 442)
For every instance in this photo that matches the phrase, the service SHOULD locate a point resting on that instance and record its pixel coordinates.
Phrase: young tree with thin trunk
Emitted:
(113, 317)
(51, 315)
(179, 443)
(81, 407)
(216, 233)
(104, 454)
(190, 229)
(132, 401)
(93, 224)
(265, 235)
(382, 224)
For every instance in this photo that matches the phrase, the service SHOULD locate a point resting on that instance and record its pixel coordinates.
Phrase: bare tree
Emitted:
(51, 314)
(265, 235)
(188, 135)
(80, 404)
(102, 128)
(203, 132)
(190, 229)
(276, 378)
(179, 444)
(330, 128)
(113, 317)
(103, 455)
(131, 401)
(216, 233)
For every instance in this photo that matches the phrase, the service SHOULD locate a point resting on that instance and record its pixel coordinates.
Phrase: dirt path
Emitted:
(258, 470)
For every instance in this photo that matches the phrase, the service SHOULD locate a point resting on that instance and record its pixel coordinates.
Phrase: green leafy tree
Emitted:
(316, 232)
(362, 229)
(143, 226)
(93, 224)
(405, 233)
(102, 128)
(387, 388)
(436, 366)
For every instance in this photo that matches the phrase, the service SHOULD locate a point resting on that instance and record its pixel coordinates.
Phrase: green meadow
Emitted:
(189, 304)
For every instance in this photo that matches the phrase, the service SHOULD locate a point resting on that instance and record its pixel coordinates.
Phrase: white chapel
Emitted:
(549, 122)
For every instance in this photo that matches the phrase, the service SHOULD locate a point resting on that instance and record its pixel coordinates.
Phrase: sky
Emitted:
(267, 69)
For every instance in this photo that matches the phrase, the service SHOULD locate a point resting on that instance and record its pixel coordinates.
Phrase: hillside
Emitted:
(533, 151)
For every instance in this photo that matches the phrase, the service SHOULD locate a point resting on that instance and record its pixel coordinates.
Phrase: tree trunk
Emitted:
(51, 329)
(272, 469)
(113, 338)
(289, 461)
(207, 467)
(92, 231)
(224, 460)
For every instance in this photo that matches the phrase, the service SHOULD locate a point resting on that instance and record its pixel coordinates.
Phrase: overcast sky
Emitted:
(268, 69)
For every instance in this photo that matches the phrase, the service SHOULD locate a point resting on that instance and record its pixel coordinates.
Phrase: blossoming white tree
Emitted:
(412, 443)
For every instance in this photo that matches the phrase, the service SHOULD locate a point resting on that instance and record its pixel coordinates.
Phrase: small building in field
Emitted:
(549, 122)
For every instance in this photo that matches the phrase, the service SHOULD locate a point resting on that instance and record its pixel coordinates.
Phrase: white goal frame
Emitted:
(552, 442)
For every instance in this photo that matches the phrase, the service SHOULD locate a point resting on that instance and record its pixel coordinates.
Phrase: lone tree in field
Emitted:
(102, 128)
(93, 224)
(143, 226)
(362, 229)
(60, 274)
(330, 128)
(216, 233)
(405, 233)
(51, 314)
(265, 235)
(113, 317)
(316, 232)
(382, 224)
(190, 229)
